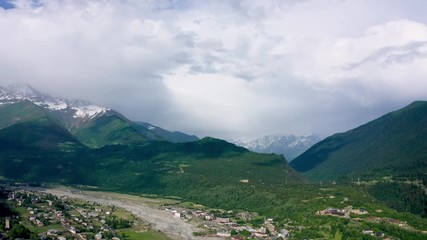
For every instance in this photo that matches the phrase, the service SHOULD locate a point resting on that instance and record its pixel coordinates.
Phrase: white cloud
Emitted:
(386, 59)
(224, 68)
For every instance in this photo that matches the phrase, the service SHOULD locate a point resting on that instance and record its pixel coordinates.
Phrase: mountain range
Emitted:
(53, 140)
(94, 126)
(289, 145)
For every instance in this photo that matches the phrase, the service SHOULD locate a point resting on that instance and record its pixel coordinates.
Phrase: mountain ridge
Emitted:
(84, 120)
(36, 147)
(387, 155)
(18, 92)
(389, 141)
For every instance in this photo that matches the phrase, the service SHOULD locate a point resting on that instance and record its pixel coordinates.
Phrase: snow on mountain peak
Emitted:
(88, 111)
(289, 145)
(18, 92)
(56, 105)
(21, 90)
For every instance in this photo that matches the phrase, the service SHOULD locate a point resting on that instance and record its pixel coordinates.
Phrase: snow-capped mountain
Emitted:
(79, 109)
(92, 125)
(290, 146)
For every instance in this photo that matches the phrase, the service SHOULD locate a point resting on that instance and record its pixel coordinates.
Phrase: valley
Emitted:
(329, 211)
(213, 120)
(367, 183)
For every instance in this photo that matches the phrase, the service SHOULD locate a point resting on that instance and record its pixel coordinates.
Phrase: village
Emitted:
(62, 218)
(354, 214)
(230, 225)
(52, 217)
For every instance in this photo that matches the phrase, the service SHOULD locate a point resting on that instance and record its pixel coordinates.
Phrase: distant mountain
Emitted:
(290, 146)
(94, 126)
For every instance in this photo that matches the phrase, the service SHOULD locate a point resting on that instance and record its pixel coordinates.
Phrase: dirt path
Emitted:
(161, 220)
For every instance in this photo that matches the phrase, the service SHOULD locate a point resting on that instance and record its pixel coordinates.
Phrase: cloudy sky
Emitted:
(229, 69)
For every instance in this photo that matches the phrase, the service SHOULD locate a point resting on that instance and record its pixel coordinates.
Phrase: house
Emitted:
(244, 215)
(223, 233)
(72, 230)
(39, 223)
(331, 211)
(237, 238)
(98, 236)
(177, 214)
(360, 211)
(251, 230)
(93, 214)
(270, 227)
(283, 233)
(260, 235)
(223, 220)
(52, 232)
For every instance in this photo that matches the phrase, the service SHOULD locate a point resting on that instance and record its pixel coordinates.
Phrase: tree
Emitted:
(19, 231)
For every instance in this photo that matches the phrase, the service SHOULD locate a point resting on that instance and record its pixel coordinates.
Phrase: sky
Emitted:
(233, 69)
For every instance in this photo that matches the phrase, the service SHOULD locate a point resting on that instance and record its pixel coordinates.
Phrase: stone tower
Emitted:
(7, 223)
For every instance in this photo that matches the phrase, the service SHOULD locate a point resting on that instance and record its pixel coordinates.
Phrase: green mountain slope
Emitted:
(93, 125)
(35, 147)
(33, 152)
(25, 124)
(117, 155)
(387, 155)
(43, 133)
(209, 171)
(113, 128)
(147, 128)
(391, 144)
(108, 129)
(213, 172)
(19, 112)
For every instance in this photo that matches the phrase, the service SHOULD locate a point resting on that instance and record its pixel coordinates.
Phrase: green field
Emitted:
(135, 235)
